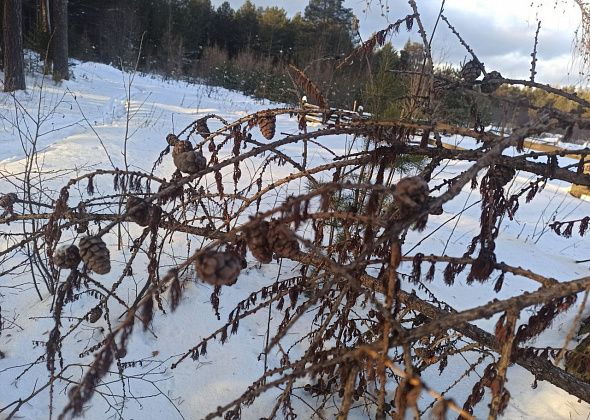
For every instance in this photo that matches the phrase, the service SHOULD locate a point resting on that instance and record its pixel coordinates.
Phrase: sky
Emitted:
(500, 31)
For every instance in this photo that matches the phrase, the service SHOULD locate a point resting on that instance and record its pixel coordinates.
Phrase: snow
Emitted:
(83, 126)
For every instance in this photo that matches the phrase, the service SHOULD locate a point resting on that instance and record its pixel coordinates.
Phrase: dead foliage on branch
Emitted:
(343, 238)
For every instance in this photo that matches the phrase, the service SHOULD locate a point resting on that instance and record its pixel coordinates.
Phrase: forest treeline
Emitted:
(249, 49)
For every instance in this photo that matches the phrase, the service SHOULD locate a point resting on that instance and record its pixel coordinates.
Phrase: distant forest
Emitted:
(248, 49)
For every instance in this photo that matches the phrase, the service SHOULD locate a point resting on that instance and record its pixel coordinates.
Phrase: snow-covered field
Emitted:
(82, 125)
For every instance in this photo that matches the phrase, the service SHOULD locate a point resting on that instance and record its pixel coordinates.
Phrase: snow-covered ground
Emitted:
(82, 124)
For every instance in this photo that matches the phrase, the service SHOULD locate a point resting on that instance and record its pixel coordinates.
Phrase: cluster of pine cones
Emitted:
(185, 158)
(471, 72)
(92, 251)
(266, 238)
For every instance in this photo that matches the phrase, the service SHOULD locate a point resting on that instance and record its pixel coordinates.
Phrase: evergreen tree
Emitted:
(383, 91)
(329, 12)
(331, 25)
(222, 29)
(246, 27)
(14, 67)
(194, 23)
(276, 33)
(59, 39)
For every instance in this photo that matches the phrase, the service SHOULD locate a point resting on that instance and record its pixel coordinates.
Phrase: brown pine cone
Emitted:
(190, 162)
(66, 256)
(95, 314)
(491, 82)
(82, 227)
(202, 127)
(181, 146)
(7, 202)
(282, 240)
(218, 268)
(267, 125)
(172, 139)
(410, 195)
(257, 238)
(138, 210)
(501, 175)
(483, 266)
(471, 71)
(175, 192)
(95, 254)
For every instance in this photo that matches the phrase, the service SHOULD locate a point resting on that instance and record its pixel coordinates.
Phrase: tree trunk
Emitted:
(43, 28)
(59, 38)
(43, 17)
(14, 65)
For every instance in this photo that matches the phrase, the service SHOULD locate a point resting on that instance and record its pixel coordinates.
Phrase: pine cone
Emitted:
(66, 256)
(257, 238)
(483, 266)
(471, 71)
(175, 192)
(95, 314)
(82, 227)
(267, 125)
(181, 146)
(7, 202)
(172, 139)
(219, 268)
(138, 210)
(202, 127)
(190, 162)
(186, 159)
(282, 240)
(500, 175)
(491, 82)
(410, 195)
(95, 254)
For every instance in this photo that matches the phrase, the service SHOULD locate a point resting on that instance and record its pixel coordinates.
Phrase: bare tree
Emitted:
(14, 68)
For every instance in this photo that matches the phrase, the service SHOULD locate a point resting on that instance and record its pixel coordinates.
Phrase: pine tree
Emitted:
(332, 26)
(329, 12)
(224, 37)
(14, 66)
(247, 27)
(59, 38)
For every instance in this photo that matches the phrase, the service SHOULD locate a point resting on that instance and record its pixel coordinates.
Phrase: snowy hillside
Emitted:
(89, 123)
